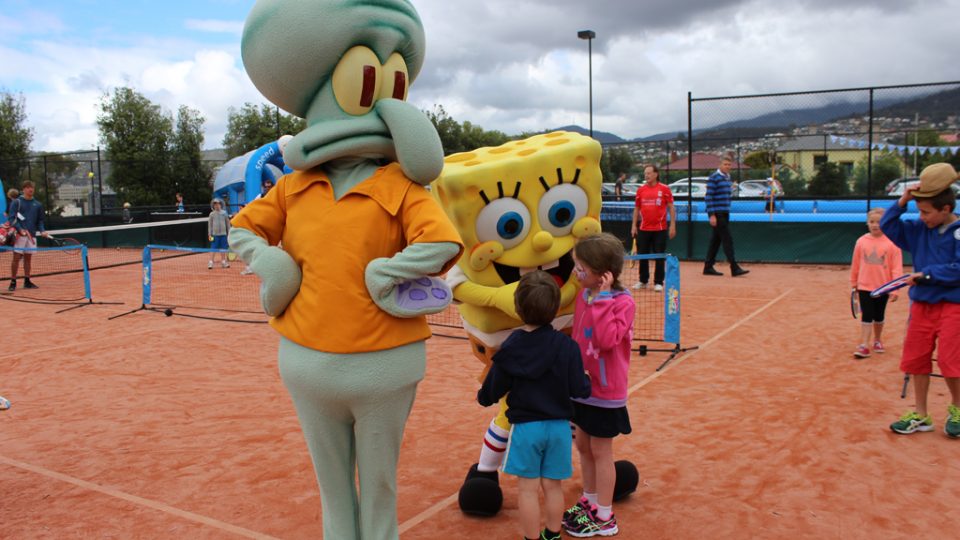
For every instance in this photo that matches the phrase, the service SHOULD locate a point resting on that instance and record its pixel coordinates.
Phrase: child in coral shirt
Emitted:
(876, 260)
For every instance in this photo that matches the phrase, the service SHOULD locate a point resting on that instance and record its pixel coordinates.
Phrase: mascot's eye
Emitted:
(357, 80)
(396, 78)
(506, 221)
(561, 207)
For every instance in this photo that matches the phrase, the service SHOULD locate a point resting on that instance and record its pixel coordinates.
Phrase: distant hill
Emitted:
(933, 107)
(602, 136)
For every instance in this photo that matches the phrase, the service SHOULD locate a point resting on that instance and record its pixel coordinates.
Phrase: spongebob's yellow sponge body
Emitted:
(518, 207)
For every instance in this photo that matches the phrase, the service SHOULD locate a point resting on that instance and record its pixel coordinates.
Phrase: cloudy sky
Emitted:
(511, 65)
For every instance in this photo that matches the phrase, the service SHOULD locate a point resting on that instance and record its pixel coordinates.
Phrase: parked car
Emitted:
(897, 188)
(630, 189)
(758, 188)
(697, 187)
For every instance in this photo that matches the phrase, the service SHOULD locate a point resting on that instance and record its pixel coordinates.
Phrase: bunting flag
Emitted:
(899, 148)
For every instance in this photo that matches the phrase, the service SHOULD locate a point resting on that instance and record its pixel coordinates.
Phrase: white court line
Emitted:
(436, 508)
(204, 520)
(653, 376)
(76, 344)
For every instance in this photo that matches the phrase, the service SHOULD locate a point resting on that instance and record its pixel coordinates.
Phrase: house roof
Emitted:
(814, 142)
(702, 162)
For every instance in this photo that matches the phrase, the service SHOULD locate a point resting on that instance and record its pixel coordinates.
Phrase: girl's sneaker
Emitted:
(210, 265)
(911, 422)
(588, 525)
(571, 514)
(862, 352)
(878, 347)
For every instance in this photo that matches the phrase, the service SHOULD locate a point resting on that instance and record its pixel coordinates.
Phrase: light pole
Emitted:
(589, 35)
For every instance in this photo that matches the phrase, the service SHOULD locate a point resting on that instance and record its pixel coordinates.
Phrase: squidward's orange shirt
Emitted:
(333, 241)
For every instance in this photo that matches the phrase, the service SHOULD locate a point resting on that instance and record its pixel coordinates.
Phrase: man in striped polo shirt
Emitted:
(719, 191)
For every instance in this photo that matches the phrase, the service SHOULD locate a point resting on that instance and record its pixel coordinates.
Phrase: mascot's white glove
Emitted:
(279, 274)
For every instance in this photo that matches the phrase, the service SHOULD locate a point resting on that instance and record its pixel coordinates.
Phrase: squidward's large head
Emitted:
(346, 66)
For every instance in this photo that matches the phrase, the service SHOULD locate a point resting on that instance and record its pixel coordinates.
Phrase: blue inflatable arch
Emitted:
(240, 179)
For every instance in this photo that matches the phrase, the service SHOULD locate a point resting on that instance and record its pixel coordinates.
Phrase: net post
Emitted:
(671, 301)
(147, 274)
(86, 273)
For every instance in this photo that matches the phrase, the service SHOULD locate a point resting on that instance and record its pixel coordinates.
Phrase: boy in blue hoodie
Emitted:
(934, 242)
(541, 369)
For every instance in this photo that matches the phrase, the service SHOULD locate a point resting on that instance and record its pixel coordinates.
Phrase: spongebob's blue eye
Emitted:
(506, 221)
(510, 225)
(561, 214)
(561, 207)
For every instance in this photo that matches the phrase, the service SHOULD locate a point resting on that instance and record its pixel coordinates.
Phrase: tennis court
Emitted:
(169, 427)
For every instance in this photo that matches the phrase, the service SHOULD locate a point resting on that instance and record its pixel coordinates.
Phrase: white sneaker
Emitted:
(210, 265)
(658, 287)
(637, 286)
(246, 271)
(225, 264)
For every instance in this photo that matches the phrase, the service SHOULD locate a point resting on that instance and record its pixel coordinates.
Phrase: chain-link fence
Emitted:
(807, 165)
(85, 188)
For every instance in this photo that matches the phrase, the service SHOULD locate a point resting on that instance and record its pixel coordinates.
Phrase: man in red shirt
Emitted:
(653, 201)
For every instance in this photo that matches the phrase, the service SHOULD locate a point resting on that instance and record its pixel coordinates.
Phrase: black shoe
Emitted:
(711, 271)
(13, 285)
(738, 271)
(27, 284)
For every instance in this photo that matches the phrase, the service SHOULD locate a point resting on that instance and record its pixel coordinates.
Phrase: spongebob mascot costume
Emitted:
(348, 247)
(519, 207)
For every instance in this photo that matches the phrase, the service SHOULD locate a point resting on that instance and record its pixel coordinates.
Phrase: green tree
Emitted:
(191, 175)
(456, 137)
(794, 185)
(758, 160)
(615, 162)
(829, 181)
(254, 126)
(15, 138)
(137, 136)
(886, 167)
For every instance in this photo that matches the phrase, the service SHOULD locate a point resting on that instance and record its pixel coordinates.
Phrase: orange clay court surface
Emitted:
(155, 427)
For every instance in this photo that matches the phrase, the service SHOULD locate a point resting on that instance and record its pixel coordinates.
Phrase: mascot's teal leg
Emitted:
(352, 409)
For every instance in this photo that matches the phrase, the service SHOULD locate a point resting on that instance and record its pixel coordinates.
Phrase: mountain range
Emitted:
(932, 107)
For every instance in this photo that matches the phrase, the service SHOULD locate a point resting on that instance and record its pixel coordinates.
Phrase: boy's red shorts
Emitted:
(932, 325)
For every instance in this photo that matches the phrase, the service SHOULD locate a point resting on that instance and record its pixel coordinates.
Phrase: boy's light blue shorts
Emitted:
(540, 450)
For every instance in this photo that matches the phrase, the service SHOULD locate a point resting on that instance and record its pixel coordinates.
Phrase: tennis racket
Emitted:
(633, 251)
(890, 286)
(65, 241)
(854, 303)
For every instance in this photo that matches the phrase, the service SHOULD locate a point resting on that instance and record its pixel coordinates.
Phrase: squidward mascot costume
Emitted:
(348, 247)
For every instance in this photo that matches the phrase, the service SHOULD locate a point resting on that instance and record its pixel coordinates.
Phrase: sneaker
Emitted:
(588, 525)
(27, 284)
(862, 352)
(637, 286)
(225, 264)
(952, 425)
(210, 265)
(246, 271)
(571, 514)
(912, 422)
(711, 271)
(878, 347)
(13, 285)
(658, 287)
(738, 271)
(543, 536)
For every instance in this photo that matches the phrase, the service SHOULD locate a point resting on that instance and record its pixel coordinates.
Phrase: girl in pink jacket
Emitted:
(875, 261)
(603, 327)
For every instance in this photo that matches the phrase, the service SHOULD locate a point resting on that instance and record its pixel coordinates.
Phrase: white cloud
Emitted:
(513, 65)
(215, 26)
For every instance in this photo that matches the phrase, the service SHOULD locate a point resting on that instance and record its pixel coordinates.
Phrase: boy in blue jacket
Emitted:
(541, 369)
(934, 242)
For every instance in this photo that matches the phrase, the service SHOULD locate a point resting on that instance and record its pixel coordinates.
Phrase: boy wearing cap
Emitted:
(934, 242)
